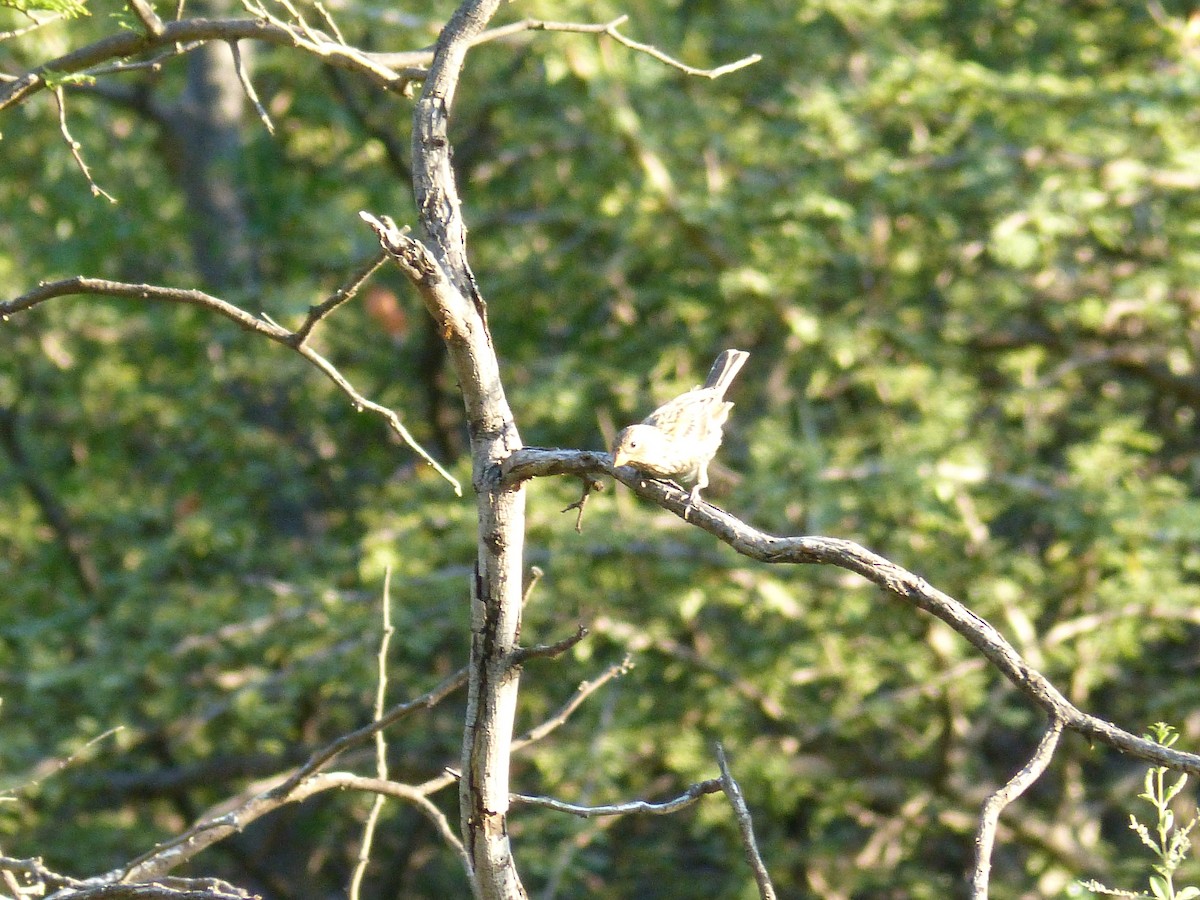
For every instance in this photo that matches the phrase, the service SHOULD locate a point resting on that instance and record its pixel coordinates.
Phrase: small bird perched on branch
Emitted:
(680, 438)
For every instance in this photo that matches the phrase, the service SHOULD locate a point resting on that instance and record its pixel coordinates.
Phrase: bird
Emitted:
(680, 438)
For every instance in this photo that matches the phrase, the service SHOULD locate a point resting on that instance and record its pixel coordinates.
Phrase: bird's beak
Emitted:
(619, 458)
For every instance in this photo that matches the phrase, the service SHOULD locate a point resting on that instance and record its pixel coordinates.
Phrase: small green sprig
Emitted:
(66, 8)
(1167, 840)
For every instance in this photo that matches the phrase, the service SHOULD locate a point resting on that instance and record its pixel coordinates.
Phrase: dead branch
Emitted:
(296, 340)
(631, 807)
(741, 812)
(1014, 788)
(531, 462)
(217, 825)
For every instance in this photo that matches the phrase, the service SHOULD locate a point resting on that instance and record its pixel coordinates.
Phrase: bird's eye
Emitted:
(633, 445)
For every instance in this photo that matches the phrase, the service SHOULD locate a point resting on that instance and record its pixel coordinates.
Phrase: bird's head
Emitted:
(637, 443)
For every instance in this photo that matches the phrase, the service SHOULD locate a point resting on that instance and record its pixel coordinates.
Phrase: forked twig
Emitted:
(733, 791)
(74, 145)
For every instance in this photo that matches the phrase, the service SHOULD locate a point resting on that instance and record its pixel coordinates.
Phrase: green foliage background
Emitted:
(960, 240)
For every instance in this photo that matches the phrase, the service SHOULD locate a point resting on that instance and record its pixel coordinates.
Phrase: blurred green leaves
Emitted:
(960, 242)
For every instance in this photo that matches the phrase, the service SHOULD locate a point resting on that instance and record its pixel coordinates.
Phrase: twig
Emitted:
(30, 474)
(610, 29)
(653, 51)
(532, 462)
(248, 86)
(415, 795)
(535, 576)
(123, 44)
(37, 23)
(333, 26)
(36, 870)
(381, 766)
(209, 831)
(74, 145)
(293, 339)
(989, 818)
(53, 767)
(148, 17)
(585, 690)
(524, 654)
(639, 807)
(589, 485)
(733, 791)
(154, 64)
(340, 296)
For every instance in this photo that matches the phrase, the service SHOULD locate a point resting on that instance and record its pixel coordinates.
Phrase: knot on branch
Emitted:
(414, 257)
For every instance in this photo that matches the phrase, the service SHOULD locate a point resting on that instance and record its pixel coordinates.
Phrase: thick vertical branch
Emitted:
(496, 593)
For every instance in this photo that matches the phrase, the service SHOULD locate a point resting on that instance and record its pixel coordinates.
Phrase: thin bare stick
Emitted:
(381, 766)
(340, 296)
(407, 792)
(989, 818)
(610, 29)
(333, 26)
(733, 791)
(639, 807)
(535, 575)
(524, 654)
(217, 826)
(293, 339)
(35, 870)
(361, 402)
(74, 145)
(651, 50)
(37, 23)
(263, 27)
(585, 690)
(589, 485)
(53, 767)
(154, 64)
(147, 16)
(248, 87)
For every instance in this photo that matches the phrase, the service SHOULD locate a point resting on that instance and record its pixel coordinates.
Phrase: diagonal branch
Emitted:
(296, 340)
(532, 462)
(125, 44)
(741, 812)
(1016, 786)
(218, 825)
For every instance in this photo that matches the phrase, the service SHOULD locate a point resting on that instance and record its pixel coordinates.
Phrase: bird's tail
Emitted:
(725, 369)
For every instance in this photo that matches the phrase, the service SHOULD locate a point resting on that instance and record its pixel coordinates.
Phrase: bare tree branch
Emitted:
(1014, 788)
(631, 807)
(524, 654)
(124, 44)
(217, 825)
(381, 766)
(148, 17)
(540, 731)
(382, 787)
(741, 812)
(531, 462)
(83, 566)
(248, 86)
(296, 340)
(74, 145)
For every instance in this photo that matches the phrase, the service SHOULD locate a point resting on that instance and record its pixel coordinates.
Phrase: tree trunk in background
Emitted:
(204, 143)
